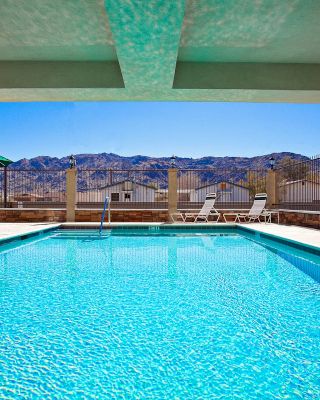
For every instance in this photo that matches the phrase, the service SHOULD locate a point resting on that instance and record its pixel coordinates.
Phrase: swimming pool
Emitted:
(168, 315)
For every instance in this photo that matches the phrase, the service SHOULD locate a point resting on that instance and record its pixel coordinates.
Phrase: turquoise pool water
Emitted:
(158, 317)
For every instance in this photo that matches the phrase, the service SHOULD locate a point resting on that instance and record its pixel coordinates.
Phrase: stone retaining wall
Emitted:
(123, 215)
(301, 218)
(32, 215)
(55, 215)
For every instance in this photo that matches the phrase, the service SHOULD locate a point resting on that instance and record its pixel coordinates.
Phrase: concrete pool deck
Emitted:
(11, 230)
(303, 235)
(308, 236)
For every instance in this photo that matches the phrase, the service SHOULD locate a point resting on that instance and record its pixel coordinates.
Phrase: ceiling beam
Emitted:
(147, 37)
(60, 74)
(110, 94)
(258, 76)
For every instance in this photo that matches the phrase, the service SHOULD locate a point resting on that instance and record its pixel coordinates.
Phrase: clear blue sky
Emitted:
(158, 129)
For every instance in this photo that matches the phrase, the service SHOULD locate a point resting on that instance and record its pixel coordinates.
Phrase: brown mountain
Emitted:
(115, 161)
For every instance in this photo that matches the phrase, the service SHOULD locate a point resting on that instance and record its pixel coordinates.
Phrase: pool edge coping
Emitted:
(162, 226)
(26, 235)
(281, 239)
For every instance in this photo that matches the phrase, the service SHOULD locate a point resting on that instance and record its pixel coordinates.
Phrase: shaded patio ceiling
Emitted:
(188, 50)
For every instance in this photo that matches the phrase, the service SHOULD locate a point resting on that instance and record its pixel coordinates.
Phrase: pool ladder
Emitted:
(105, 206)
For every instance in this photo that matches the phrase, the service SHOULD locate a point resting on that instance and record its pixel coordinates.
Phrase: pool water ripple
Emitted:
(166, 317)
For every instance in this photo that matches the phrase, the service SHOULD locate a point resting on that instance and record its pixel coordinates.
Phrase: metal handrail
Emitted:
(106, 204)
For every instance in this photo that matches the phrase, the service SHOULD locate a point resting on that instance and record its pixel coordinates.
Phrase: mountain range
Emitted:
(115, 161)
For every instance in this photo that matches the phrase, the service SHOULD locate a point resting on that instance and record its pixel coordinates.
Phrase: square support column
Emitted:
(5, 187)
(272, 189)
(172, 191)
(71, 189)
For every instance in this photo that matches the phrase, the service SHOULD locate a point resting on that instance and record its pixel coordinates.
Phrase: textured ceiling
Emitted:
(55, 30)
(251, 31)
(184, 50)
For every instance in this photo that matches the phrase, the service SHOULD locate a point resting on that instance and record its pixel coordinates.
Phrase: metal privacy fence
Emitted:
(131, 188)
(299, 185)
(148, 188)
(127, 189)
(32, 188)
(235, 188)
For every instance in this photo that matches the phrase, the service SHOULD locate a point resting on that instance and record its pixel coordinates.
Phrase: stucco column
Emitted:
(172, 191)
(71, 188)
(272, 189)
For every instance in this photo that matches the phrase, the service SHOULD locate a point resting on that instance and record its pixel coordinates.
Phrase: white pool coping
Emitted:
(9, 230)
(299, 234)
(307, 236)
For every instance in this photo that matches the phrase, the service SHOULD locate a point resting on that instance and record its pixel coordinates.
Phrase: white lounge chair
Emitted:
(206, 211)
(257, 210)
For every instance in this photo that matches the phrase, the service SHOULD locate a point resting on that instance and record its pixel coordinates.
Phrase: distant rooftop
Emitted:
(201, 50)
(313, 182)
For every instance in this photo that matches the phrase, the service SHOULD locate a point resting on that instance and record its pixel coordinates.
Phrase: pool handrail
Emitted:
(106, 204)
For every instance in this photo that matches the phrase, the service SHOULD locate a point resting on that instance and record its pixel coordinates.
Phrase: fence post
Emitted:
(172, 191)
(71, 189)
(5, 187)
(272, 188)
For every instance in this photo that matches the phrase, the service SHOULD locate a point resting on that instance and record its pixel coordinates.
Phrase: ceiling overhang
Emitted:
(183, 50)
